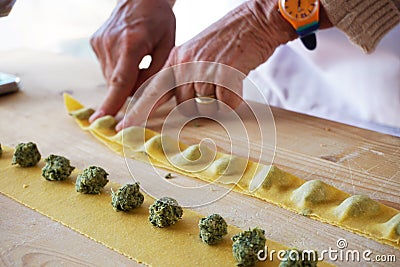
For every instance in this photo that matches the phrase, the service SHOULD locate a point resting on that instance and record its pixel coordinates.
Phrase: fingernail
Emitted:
(96, 115)
(119, 126)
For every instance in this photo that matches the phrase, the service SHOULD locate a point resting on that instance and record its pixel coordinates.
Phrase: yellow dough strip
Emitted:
(314, 198)
(131, 234)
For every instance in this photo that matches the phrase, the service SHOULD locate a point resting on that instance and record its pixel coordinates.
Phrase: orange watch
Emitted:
(303, 15)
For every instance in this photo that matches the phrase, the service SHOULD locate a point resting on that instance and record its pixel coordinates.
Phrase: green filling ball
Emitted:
(91, 180)
(296, 258)
(165, 212)
(127, 198)
(57, 168)
(212, 229)
(26, 155)
(82, 114)
(246, 246)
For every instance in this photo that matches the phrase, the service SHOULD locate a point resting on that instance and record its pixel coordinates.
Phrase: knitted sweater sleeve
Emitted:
(365, 22)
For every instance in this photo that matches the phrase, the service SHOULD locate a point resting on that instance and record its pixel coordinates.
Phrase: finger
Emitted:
(231, 98)
(158, 60)
(164, 99)
(106, 43)
(184, 93)
(207, 107)
(184, 96)
(204, 89)
(135, 116)
(123, 78)
(95, 42)
(110, 51)
(153, 94)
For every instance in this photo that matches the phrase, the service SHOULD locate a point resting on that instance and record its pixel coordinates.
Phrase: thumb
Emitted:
(121, 83)
(150, 96)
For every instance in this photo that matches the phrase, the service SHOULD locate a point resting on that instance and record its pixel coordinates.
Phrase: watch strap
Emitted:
(309, 41)
(307, 35)
(307, 29)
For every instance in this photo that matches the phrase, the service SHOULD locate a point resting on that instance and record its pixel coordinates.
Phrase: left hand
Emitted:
(135, 28)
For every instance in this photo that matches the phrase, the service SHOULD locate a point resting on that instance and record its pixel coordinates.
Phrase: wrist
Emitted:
(324, 20)
(277, 29)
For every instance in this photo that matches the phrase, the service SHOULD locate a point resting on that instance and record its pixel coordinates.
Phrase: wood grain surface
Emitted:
(355, 160)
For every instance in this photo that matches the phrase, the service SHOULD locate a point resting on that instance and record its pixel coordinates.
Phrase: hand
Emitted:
(136, 28)
(243, 39)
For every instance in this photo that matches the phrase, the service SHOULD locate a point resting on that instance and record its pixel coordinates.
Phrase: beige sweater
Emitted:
(365, 22)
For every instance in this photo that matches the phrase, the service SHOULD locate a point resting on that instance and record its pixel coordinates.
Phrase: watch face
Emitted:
(299, 9)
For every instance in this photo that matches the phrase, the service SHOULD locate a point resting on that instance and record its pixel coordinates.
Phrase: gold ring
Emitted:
(205, 99)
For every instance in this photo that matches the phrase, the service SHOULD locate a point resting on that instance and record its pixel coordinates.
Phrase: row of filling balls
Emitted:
(162, 213)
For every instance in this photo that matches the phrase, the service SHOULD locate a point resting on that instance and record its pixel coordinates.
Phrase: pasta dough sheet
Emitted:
(314, 198)
(128, 233)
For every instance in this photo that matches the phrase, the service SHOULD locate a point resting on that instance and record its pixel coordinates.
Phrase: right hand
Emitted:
(243, 39)
(136, 28)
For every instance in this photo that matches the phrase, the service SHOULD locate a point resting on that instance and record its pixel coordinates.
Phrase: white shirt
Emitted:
(336, 81)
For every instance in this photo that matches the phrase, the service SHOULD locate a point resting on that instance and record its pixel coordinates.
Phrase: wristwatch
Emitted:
(303, 15)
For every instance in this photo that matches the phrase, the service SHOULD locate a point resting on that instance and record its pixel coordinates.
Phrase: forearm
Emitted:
(365, 22)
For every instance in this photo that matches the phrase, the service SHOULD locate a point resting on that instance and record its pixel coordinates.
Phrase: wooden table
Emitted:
(355, 160)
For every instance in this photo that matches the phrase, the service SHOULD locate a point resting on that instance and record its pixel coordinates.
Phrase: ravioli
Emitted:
(316, 199)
